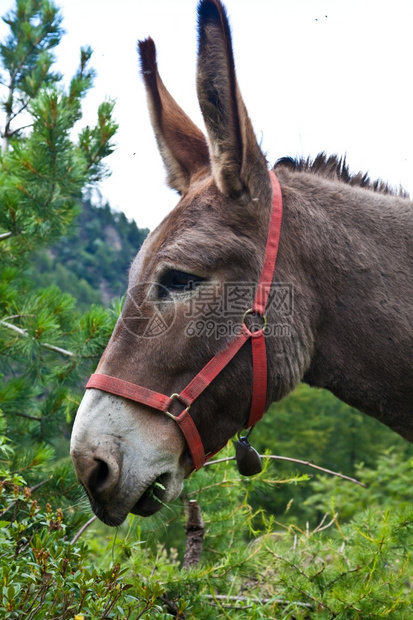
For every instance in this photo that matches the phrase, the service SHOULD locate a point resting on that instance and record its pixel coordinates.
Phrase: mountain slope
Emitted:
(91, 263)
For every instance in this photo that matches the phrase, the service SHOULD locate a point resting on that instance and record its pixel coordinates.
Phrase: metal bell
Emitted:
(248, 459)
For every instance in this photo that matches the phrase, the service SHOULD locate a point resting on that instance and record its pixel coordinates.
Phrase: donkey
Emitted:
(345, 254)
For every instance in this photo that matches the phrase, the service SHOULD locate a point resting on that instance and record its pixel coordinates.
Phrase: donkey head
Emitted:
(127, 455)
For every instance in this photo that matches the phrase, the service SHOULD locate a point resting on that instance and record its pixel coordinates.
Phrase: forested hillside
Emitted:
(92, 260)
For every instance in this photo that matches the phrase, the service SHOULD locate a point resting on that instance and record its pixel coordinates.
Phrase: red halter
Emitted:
(162, 403)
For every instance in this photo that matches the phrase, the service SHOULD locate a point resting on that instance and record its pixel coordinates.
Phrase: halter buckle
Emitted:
(171, 415)
(255, 314)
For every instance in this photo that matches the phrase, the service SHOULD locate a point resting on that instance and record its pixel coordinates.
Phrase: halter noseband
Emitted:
(162, 403)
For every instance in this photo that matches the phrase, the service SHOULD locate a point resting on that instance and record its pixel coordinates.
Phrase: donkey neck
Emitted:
(348, 252)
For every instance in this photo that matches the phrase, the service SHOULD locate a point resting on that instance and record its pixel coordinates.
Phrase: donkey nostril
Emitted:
(98, 475)
(102, 476)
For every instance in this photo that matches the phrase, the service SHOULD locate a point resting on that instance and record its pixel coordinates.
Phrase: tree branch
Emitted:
(52, 347)
(172, 607)
(5, 235)
(262, 601)
(31, 490)
(23, 332)
(83, 529)
(195, 530)
(12, 133)
(291, 460)
(28, 417)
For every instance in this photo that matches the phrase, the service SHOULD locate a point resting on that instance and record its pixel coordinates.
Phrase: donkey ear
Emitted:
(238, 164)
(182, 145)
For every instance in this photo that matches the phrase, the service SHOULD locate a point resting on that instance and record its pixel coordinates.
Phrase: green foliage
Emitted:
(26, 57)
(356, 569)
(41, 382)
(389, 485)
(46, 346)
(362, 569)
(314, 426)
(43, 574)
(42, 170)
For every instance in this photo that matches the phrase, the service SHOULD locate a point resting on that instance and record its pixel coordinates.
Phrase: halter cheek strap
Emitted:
(200, 382)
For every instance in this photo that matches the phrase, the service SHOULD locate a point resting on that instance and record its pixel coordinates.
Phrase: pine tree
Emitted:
(35, 29)
(47, 347)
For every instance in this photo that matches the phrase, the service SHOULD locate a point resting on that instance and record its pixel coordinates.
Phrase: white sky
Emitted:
(315, 75)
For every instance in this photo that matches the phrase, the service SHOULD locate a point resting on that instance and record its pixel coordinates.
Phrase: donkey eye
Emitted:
(174, 281)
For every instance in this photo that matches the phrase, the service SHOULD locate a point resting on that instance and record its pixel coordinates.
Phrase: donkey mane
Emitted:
(336, 168)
